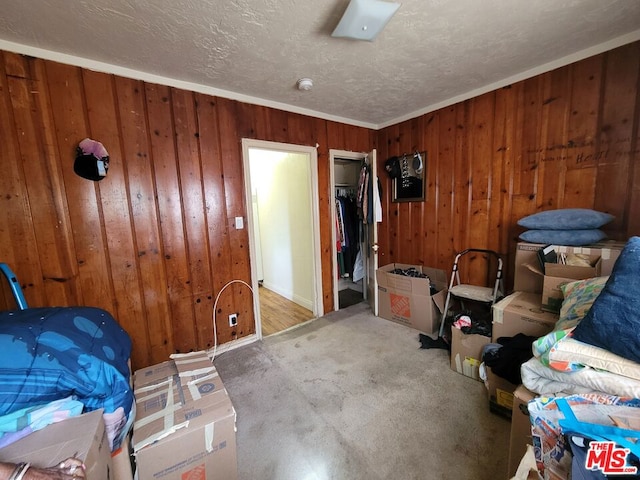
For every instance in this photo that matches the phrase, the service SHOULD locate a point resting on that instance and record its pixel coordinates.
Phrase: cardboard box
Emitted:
(185, 423)
(520, 428)
(527, 280)
(500, 392)
(121, 461)
(557, 275)
(408, 300)
(83, 436)
(521, 312)
(466, 352)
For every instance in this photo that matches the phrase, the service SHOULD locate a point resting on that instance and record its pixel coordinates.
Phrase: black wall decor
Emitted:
(410, 186)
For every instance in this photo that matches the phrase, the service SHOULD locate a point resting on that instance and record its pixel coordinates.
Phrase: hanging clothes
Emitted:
(362, 187)
(340, 218)
(346, 212)
(340, 262)
(369, 197)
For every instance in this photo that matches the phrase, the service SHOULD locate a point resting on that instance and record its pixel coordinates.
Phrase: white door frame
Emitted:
(347, 155)
(248, 143)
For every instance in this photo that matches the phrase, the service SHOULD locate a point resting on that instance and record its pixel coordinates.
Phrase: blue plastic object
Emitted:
(15, 286)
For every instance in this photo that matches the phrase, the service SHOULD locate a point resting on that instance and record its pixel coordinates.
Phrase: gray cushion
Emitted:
(566, 219)
(563, 237)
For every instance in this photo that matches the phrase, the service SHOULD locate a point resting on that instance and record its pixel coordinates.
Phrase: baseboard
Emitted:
(303, 302)
(233, 344)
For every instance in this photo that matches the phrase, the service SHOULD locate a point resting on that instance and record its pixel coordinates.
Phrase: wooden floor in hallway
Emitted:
(278, 313)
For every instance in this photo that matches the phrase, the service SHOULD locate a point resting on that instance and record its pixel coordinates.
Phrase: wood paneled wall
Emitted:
(153, 243)
(566, 139)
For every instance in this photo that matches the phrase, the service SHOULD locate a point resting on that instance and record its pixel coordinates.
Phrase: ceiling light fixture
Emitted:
(305, 84)
(365, 19)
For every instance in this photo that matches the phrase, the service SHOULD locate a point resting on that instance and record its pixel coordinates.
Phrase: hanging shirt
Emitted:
(340, 217)
(377, 203)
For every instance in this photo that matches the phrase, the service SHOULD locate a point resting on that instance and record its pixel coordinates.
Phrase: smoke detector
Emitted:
(305, 84)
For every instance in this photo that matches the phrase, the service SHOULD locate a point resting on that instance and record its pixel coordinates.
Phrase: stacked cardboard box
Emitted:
(519, 312)
(532, 310)
(527, 273)
(185, 423)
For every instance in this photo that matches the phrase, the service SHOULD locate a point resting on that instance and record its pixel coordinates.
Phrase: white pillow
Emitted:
(571, 350)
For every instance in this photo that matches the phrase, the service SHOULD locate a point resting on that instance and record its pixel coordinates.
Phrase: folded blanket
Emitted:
(21, 423)
(547, 381)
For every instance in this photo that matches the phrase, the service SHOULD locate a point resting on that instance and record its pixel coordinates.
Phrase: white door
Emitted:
(371, 241)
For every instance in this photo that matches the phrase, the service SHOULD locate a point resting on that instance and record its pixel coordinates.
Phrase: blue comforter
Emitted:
(51, 353)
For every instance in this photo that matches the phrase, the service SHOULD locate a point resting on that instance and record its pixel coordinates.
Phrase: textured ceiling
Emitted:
(431, 53)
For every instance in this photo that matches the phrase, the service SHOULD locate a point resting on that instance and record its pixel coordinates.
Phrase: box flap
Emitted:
(523, 393)
(193, 364)
(75, 436)
(154, 374)
(438, 277)
(439, 299)
(533, 268)
(573, 271)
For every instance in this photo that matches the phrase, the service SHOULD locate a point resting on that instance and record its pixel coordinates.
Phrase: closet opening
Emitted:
(349, 254)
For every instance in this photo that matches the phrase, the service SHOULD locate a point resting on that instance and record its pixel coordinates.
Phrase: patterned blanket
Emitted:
(50, 354)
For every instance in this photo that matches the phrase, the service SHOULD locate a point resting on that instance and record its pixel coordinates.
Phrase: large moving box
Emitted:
(527, 280)
(410, 301)
(185, 422)
(521, 312)
(83, 437)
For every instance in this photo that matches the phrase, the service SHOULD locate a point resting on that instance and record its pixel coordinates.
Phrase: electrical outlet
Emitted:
(233, 319)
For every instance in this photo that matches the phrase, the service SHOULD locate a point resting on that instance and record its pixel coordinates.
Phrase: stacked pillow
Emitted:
(568, 226)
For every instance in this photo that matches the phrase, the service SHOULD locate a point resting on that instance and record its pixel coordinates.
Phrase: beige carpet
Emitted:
(352, 396)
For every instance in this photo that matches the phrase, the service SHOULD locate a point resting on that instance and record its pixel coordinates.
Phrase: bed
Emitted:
(595, 346)
(59, 362)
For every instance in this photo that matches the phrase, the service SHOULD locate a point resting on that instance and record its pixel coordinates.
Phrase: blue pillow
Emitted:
(613, 322)
(564, 237)
(566, 219)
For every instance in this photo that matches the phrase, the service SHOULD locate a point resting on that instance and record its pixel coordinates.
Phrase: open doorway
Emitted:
(284, 239)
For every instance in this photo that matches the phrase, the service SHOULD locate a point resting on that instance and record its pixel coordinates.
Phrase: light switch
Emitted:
(239, 223)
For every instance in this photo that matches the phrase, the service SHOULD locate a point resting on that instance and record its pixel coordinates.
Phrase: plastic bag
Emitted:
(358, 268)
